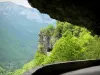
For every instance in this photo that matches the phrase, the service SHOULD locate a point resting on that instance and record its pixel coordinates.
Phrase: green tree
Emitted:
(47, 31)
(2, 71)
(64, 50)
(93, 49)
(58, 29)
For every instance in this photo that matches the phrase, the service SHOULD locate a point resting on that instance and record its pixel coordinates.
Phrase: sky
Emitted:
(20, 2)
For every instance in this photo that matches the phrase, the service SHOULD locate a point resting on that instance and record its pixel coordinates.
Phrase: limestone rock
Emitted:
(80, 12)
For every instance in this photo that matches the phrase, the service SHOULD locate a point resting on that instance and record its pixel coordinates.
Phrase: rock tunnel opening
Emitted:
(81, 13)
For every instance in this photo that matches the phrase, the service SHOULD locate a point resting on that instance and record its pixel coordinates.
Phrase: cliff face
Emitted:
(82, 13)
(46, 40)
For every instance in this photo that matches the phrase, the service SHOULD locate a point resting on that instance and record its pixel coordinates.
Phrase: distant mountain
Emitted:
(30, 13)
(19, 28)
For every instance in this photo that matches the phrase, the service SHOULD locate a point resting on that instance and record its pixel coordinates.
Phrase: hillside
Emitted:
(65, 42)
(19, 28)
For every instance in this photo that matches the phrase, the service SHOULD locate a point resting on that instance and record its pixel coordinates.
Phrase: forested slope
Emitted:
(65, 42)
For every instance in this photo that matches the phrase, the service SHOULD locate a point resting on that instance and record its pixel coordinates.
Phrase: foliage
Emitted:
(58, 30)
(47, 31)
(38, 59)
(70, 43)
(2, 71)
(93, 49)
(63, 51)
(25, 68)
(40, 48)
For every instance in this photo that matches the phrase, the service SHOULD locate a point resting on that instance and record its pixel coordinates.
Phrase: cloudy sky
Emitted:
(20, 2)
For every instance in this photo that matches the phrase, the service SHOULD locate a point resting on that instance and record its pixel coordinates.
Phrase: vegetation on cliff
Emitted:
(65, 42)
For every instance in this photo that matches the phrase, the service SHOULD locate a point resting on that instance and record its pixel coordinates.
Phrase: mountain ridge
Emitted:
(19, 34)
(32, 12)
